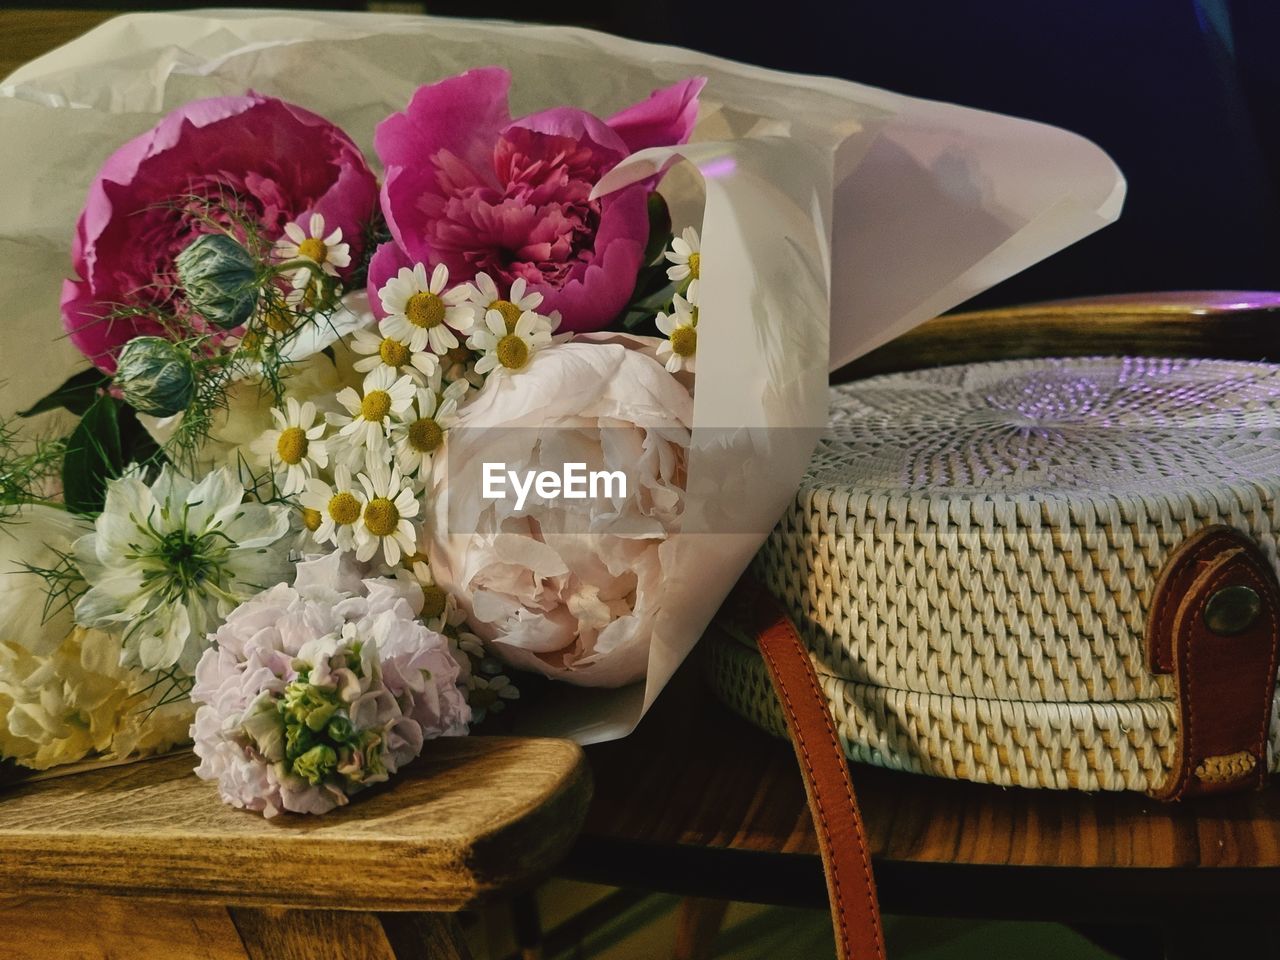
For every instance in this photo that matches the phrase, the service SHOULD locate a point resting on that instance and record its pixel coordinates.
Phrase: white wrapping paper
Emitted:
(834, 217)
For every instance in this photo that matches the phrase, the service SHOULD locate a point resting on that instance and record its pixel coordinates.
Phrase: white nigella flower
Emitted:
(685, 258)
(417, 437)
(331, 512)
(482, 295)
(293, 449)
(681, 331)
(165, 565)
(389, 504)
(328, 253)
(380, 351)
(509, 349)
(421, 313)
(364, 428)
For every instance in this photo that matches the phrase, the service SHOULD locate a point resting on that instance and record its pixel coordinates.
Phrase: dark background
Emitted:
(1184, 95)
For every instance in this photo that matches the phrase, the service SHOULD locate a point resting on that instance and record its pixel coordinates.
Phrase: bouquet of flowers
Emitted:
(313, 500)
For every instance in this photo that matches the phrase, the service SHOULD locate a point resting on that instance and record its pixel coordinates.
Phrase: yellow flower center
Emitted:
(433, 602)
(424, 310)
(344, 508)
(393, 352)
(311, 519)
(381, 517)
(684, 341)
(313, 249)
(292, 445)
(279, 318)
(695, 263)
(375, 405)
(513, 352)
(510, 313)
(425, 435)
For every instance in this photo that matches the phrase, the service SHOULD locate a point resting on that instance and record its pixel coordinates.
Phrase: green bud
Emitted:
(340, 729)
(220, 279)
(156, 376)
(308, 706)
(316, 764)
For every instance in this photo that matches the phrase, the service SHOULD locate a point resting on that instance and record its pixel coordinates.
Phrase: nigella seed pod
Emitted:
(220, 279)
(156, 376)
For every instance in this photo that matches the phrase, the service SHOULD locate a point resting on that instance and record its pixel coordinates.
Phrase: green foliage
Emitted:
(76, 394)
(106, 441)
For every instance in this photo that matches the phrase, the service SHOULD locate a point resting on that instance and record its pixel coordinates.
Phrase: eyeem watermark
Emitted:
(573, 482)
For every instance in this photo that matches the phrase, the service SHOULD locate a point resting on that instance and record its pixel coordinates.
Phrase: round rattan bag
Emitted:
(972, 555)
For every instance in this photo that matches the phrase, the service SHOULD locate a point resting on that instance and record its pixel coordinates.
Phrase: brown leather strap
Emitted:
(1215, 625)
(851, 887)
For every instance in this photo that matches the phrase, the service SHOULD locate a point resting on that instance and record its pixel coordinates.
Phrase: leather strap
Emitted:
(1215, 625)
(851, 888)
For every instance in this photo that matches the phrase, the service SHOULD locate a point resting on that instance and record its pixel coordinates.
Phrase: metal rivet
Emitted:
(1232, 610)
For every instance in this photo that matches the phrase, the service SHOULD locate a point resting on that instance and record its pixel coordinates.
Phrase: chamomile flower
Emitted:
(293, 449)
(509, 349)
(488, 694)
(328, 253)
(331, 511)
(384, 524)
(382, 351)
(368, 419)
(681, 330)
(482, 296)
(416, 438)
(459, 365)
(685, 258)
(421, 313)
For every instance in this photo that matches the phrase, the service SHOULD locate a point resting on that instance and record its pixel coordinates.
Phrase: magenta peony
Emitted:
(205, 166)
(471, 188)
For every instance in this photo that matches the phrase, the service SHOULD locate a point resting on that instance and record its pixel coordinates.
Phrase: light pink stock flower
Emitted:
(404, 690)
(257, 157)
(471, 188)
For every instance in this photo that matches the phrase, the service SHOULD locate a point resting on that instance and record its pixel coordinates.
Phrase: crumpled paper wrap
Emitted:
(834, 217)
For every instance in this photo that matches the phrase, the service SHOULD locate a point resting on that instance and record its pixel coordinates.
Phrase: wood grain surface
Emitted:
(470, 817)
(1232, 324)
(27, 33)
(698, 801)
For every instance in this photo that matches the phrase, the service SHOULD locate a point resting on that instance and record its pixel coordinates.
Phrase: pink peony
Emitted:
(251, 157)
(471, 188)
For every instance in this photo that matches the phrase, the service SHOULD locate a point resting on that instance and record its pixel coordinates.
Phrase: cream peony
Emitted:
(566, 588)
(37, 536)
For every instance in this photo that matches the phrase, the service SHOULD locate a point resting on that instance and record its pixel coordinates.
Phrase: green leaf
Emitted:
(76, 395)
(660, 235)
(94, 456)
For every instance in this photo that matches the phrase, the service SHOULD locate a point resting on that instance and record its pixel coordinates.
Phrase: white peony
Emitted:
(36, 536)
(566, 588)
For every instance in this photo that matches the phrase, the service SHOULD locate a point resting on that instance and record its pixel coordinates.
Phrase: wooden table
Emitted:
(471, 819)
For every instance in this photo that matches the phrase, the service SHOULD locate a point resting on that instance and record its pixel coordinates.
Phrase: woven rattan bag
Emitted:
(1040, 573)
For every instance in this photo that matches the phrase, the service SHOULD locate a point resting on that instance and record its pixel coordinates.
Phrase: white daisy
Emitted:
(421, 313)
(328, 253)
(167, 563)
(681, 331)
(388, 352)
(486, 695)
(512, 349)
(365, 428)
(459, 366)
(331, 512)
(294, 449)
(483, 295)
(420, 433)
(684, 256)
(385, 521)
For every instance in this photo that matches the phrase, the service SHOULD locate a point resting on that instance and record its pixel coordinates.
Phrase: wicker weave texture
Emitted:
(995, 530)
(973, 552)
